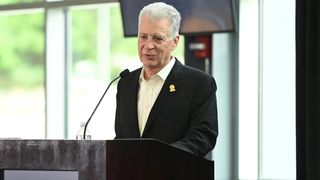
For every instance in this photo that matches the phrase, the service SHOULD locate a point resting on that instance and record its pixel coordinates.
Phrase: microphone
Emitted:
(123, 74)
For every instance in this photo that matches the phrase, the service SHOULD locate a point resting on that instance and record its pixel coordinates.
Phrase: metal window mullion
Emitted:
(56, 75)
(67, 67)
(260, 89)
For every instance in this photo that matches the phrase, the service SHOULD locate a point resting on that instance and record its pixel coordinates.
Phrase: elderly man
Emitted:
(164, 99)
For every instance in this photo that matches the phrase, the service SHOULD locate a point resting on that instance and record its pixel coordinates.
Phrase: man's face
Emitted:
(155, 44)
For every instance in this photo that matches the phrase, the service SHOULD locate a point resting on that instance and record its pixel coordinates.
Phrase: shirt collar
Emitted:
(164, 72)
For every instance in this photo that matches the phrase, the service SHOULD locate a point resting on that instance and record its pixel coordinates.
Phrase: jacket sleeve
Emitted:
(202, 134)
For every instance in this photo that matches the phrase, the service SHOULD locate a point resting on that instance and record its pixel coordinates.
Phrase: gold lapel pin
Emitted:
(172, 88)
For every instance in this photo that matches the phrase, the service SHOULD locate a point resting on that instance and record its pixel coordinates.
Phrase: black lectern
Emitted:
(135, 159)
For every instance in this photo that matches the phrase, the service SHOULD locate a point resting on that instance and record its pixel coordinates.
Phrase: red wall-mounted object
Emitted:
(202, 47)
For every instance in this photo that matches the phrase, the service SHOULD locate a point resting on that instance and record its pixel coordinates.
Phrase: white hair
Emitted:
(160, 10)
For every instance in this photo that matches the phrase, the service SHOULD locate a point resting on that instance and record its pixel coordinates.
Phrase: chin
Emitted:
(149, 63)
(151, 66)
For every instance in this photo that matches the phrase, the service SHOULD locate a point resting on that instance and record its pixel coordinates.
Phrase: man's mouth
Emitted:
(149, 56)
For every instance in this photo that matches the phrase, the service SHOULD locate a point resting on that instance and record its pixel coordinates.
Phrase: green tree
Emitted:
(21, 50)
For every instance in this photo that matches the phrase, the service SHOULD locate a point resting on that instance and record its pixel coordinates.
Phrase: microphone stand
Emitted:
(122, 74)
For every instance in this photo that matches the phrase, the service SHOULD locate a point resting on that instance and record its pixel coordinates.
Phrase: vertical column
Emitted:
(56, 76)
(249, 89)
(224, 70)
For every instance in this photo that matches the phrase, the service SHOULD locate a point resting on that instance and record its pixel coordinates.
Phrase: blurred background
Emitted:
(58, 56)
(91, 36)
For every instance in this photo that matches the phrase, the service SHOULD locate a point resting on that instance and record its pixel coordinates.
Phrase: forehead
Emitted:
(154, 26)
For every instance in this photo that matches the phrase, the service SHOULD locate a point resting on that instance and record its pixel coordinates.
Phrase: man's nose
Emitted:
(150, 44)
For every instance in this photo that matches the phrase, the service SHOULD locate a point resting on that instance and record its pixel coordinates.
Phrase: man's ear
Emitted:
(175, 42)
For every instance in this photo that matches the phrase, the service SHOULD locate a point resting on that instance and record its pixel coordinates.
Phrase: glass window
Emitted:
(267, 90)
(22, 100)
(278, 146)
(4, 2)
(99, 53)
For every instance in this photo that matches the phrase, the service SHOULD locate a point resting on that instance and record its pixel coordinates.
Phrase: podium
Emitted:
(127, 159)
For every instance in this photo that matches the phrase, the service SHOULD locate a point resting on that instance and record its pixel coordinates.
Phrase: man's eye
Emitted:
(158, 38)
(143, 37)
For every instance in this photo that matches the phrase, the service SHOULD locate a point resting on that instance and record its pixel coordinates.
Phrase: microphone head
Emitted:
(124, 73)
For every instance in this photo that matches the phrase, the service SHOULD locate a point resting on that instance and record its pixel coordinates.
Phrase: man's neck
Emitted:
(149, 72)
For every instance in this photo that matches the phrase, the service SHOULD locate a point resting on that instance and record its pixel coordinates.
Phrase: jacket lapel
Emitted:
(168, 91)
(134, 104)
